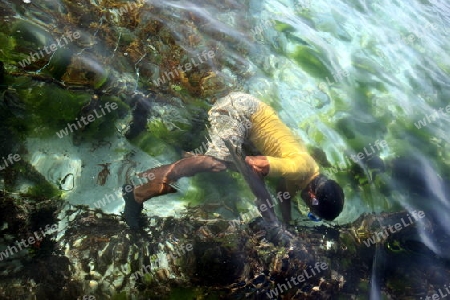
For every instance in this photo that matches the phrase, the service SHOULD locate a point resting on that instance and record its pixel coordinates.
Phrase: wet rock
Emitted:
(2, 75)
(141, 107)
(14, 103)
(99, 248)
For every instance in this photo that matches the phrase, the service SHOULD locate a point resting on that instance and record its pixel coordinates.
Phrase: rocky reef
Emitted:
(92, 254)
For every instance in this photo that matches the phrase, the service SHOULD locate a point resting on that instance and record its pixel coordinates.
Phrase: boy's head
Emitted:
(324, 197)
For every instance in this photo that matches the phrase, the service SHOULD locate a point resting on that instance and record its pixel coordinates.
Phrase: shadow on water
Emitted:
(425, 190)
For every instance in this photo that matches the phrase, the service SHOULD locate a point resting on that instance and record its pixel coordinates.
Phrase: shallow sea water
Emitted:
(355, 79)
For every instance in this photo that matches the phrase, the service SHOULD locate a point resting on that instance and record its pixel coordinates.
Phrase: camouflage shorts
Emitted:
(229, 119)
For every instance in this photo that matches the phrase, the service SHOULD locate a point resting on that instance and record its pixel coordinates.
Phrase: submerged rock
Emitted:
(2, 74)
(99, 256)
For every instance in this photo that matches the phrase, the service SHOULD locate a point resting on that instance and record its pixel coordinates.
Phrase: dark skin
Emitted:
(259, 164)
(163, 180)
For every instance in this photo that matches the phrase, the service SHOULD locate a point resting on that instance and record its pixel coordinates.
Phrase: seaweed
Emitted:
(45, 118)
(43, 190)
(311, 62)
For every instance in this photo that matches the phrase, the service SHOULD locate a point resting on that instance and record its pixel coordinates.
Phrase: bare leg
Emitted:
(159, 184)
(156, 186)
(161, 177)
(285, 207)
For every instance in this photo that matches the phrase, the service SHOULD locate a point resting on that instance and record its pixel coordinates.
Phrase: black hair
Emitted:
(330, 196)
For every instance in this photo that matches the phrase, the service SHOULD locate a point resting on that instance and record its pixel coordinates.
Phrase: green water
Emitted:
(362, 81)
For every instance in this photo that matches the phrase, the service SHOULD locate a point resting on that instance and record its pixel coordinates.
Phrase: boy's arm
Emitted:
(284, 187)
(298, 167)
(255, 182)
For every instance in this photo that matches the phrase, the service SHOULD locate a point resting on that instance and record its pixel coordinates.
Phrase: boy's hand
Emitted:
(259, 164)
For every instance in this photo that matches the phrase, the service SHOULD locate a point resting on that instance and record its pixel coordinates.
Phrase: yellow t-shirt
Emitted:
(287, 155)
